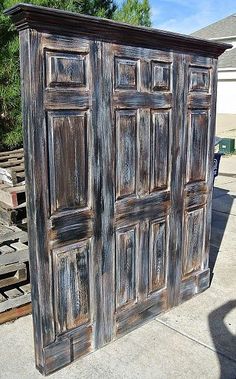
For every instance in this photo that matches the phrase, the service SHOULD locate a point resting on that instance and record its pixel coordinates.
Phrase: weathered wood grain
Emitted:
(143, 151)
(160, 131)
(37, 189)
(71, 288)
(209, 173)
(177, 166)
(157, 255)
(141, 312)
(194, 239)
(65, 69)
(68, 160)
(126, 251)
(66, 99)
(161, 76)
(197, 145)
(126, 154)
(133, 209)
(126, 99)
(71, 226)
(118, 134)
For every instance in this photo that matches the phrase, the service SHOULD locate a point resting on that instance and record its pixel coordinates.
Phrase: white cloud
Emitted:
(186, 25)
(195, 14)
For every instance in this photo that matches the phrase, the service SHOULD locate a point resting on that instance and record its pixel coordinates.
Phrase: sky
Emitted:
(187, 16)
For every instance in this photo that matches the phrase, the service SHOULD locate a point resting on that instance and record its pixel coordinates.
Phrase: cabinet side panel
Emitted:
(31, 56)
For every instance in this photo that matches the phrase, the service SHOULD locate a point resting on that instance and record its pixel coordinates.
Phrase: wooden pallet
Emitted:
(12, 196)
(14, 313)
(13, 216)
(13, 245)
(12, 153)
(14, 253)
(15, 297)
(12, 274)
(12, 169)
(12, 233)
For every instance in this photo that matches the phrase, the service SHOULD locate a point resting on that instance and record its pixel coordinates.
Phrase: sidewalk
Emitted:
(196, 340)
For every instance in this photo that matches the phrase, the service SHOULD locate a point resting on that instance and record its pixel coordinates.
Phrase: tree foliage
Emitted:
(136, 12)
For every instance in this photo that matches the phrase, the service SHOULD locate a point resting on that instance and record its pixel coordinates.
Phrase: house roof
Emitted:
(228, 59)
(222, 28)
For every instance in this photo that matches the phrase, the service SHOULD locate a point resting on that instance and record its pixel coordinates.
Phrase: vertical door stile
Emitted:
(103, 192)
(35, 142)
(108, 193)
(179, 122)
(211, 134)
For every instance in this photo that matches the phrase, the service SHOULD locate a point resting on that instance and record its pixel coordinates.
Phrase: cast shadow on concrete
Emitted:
(222, 203)
(224, 340)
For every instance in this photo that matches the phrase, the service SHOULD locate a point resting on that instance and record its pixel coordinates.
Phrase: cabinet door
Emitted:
(147, 227)
(65, 195)
(198, 173)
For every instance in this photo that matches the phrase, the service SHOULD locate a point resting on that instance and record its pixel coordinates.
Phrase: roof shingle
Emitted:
(228, 59)
(222, 28)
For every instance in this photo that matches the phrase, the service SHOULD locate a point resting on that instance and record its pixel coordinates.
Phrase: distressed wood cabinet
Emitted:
(118, 133)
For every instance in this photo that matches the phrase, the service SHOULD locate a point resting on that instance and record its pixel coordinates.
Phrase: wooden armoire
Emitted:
(118, 135)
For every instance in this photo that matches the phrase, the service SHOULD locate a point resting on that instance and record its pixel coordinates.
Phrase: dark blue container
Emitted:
(216, 164)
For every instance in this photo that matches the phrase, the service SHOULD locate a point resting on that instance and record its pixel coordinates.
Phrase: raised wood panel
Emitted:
(126, 73)
(71, 226)
(160, 140)
(71, 287)
(157, 100)
(126, 152)
(201, 61)
(68, 159)
(161, 76)
(196, 194)
(134, 209)
(199, 100)
(140, 312)
(66, 98)
(65, 69)
(139, 53)
(126, 251)
(143, 147)
(193, 240)
(65, 43)
(199, 79)
(157, 255)
(197, 145)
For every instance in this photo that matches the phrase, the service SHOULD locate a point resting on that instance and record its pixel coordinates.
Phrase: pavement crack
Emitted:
(217, 351)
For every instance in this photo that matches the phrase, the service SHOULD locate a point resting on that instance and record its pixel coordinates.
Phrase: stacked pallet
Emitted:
(12, 187)
(14, 254)
(12, 166)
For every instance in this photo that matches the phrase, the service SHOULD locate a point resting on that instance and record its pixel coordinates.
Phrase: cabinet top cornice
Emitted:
(50, 20)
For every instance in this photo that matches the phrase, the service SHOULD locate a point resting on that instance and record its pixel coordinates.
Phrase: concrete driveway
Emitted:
(194, 340)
